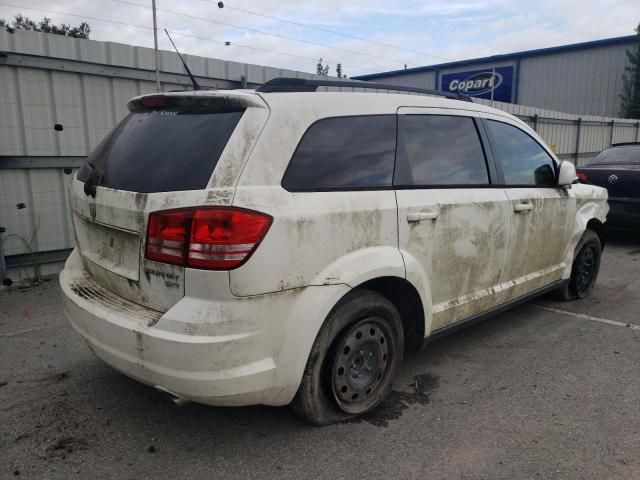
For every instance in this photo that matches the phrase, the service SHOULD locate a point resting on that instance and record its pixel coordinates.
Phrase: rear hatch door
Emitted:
(160, 157)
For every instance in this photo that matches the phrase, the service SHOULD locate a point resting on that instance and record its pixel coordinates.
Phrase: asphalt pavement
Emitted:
(548, 390)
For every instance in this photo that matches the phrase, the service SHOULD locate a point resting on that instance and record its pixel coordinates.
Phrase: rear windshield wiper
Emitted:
(94, 179)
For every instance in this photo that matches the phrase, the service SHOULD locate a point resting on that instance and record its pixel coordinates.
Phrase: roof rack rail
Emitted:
(621, 144)
(289, 84)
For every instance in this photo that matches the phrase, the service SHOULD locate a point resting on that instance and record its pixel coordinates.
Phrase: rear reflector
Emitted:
(215, 238)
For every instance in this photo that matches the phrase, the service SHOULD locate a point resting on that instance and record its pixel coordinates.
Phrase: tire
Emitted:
(584, 270)
(353, 361)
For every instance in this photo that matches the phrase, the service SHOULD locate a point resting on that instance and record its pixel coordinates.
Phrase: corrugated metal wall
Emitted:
(34, 211)
(87, 93)
(83, 86)
(583, 82)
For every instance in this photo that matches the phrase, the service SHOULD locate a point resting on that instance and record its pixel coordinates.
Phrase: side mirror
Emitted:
(567, 174)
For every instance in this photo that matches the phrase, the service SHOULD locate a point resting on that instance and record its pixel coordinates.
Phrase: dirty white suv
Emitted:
(288, 246)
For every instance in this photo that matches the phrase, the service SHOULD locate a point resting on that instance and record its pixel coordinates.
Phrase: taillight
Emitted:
(223, 238)
(167, 236)
(216, 238)
(582, 176)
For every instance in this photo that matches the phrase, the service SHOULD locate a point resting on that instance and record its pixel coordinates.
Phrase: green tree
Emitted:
(45, 25)
(322, 69)
(631, 83)
(339, 72)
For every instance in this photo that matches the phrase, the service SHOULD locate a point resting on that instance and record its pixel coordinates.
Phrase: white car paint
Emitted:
(243, 336)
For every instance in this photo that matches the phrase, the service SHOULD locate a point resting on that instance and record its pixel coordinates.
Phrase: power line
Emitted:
(326, 30)
(146, 27)
(255, 30)
(233, 44)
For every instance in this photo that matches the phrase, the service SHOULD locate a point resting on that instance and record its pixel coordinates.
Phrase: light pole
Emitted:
(155, 45)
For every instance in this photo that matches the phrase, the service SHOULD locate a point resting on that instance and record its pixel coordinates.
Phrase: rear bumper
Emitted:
(216, 353)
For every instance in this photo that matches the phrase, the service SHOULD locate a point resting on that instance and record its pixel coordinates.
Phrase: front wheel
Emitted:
(585, 268)
(353, 361)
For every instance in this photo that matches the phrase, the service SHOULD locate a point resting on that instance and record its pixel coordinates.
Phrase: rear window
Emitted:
(618, 156)
(344, 153)
(162, 150)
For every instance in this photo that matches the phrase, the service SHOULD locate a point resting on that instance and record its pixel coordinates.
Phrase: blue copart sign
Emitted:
(481, 83)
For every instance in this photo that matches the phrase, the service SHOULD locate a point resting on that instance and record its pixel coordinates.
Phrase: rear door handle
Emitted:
(419, 216)
(522, 207)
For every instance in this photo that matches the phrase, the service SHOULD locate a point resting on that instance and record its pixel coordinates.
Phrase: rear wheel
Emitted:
(353, 360)
(584, 270)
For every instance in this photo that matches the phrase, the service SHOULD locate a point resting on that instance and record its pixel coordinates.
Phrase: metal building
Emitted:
(582, 78)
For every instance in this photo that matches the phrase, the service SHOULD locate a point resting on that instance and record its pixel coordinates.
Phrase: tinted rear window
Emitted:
(162, 150)
(344, 152)
(441, 150)
(618, 156)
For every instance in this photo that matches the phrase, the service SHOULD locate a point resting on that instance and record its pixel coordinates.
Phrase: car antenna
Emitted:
(193, 79)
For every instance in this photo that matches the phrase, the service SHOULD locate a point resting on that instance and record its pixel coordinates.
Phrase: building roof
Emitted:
(503, 57)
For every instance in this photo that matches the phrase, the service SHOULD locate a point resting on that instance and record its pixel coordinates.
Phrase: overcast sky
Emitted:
(428, 32)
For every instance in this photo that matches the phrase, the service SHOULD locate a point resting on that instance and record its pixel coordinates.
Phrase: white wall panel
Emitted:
(12, 137)
(37, 111)
(44, 223)
(68, 103)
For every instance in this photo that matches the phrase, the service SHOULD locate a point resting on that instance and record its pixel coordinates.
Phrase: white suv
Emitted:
(287, 246)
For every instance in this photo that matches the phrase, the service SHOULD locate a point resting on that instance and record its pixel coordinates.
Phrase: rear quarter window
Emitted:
(161, 150)
(344, 153)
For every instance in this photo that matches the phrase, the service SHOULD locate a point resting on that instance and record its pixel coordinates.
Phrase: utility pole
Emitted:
(155, 45)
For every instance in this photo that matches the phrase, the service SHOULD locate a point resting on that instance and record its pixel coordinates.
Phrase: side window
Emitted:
(440, 150)
(523, 160)
(344, 152)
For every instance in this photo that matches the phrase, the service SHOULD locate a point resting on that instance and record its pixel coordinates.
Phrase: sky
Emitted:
(365, 36)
